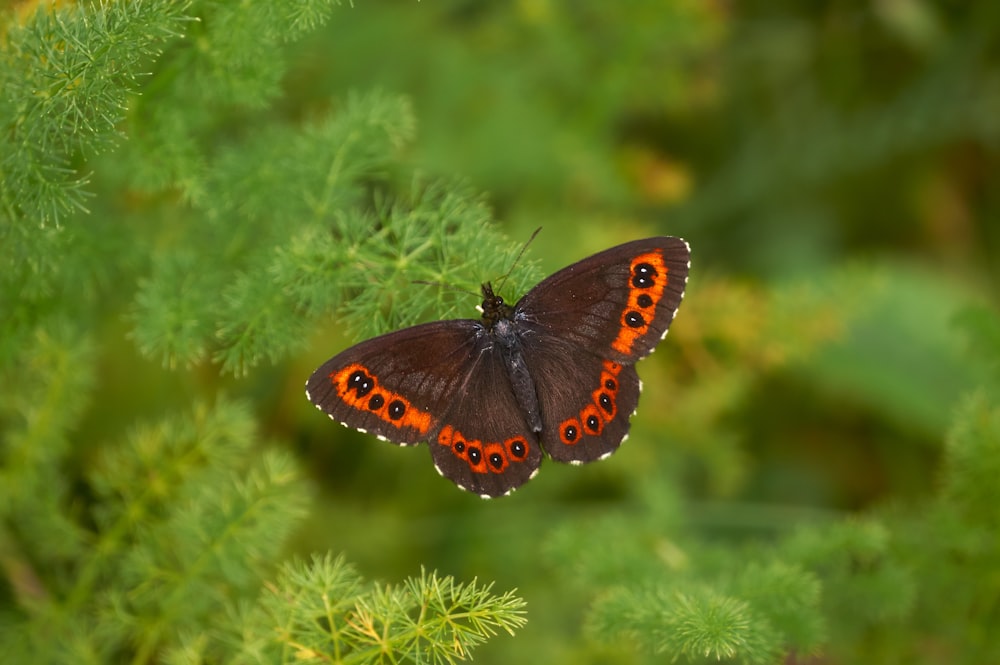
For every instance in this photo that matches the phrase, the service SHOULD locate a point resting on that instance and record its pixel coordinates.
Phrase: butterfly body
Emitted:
(555, 371)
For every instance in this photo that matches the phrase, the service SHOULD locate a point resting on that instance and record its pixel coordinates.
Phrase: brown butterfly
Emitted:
(556, 371)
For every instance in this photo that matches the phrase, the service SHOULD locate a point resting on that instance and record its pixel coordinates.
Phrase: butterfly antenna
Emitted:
(503, 279)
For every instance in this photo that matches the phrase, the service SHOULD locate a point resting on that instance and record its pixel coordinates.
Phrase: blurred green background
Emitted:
(833, 166)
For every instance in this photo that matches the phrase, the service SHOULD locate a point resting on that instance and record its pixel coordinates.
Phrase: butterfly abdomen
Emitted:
(506, 337)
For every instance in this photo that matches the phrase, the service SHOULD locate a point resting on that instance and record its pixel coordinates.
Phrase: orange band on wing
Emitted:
(646, 282)
(592, 417)
(359, 388)
(484, 457)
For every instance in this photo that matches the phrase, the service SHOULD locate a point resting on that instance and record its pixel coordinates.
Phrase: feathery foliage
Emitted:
(323, 612)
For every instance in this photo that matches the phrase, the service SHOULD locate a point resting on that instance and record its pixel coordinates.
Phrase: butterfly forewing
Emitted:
(617, 303)
(398, 385)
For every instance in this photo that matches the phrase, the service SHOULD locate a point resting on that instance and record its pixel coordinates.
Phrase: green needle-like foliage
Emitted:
(324, 612)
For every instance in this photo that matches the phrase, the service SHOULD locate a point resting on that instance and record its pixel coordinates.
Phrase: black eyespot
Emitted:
(518, 449)
(605, 401)
(644, 276)
(646, 269)
(593, 423)
(570, 433)
(475, 455)
(496, 460)
(396, 409)
(644, 300)
(610, 384)
(376, 402)
(460, 447)
(360, 383)
(634, 320)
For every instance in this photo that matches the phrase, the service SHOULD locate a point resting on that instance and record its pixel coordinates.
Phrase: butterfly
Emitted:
(554, 372)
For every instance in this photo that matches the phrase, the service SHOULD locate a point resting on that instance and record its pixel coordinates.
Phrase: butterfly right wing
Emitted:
(583, 329)
(441, 382)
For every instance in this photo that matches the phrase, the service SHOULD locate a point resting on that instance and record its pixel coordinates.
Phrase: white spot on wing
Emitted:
(534, 473)
(576, 462)
(605, 455)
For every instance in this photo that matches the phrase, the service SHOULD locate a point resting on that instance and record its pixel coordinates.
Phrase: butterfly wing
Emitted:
(397, 385)
(439, 382)
(582, 330)
(586, 401)
(484, 444)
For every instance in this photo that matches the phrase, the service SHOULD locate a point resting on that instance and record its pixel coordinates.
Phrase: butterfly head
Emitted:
(494, 308)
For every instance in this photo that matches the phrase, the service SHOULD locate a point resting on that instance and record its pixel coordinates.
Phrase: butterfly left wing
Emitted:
(584, 327)
(439, 382)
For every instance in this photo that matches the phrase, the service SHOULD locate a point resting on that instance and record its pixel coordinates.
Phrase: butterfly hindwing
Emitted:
(586, 400)
(484, 444)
